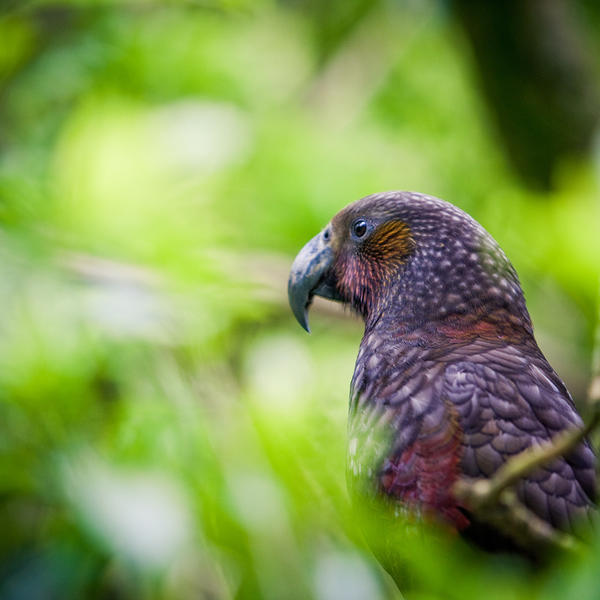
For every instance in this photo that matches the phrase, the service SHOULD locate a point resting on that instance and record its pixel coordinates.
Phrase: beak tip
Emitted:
(301, 315)
(304, 324)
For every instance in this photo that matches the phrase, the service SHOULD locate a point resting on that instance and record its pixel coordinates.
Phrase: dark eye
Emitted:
(326, 234)
(359, 228)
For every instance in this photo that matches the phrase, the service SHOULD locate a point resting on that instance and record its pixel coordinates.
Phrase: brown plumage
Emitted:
(449, 380)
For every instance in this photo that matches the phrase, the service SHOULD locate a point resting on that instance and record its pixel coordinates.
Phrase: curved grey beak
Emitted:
(308, 277)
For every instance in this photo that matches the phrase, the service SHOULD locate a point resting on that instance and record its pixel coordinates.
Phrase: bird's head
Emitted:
(410, 259)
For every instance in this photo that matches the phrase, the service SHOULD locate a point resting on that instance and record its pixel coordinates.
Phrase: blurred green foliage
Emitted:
(166, 430)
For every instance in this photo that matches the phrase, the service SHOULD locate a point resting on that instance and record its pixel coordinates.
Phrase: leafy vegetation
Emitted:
(166, 430)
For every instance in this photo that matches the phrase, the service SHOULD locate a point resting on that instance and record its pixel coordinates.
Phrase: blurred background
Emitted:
(166, 429)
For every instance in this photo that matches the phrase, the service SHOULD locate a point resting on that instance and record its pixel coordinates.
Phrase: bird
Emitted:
(449, 381)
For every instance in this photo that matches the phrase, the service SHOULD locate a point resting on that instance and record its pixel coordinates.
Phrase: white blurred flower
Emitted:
(258, 502)
(345, 577)
(140, 515)
(280, 372)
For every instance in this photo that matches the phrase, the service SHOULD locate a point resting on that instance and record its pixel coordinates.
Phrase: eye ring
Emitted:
(359, 228)
(327, 235)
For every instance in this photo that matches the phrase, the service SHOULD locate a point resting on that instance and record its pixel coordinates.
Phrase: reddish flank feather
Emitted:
(435, 457)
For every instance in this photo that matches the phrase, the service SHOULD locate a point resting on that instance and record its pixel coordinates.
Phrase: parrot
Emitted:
(449, 381)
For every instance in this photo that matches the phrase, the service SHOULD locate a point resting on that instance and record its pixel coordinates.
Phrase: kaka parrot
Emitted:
(449, 381)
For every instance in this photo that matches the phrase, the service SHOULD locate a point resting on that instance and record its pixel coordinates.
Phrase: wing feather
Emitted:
(505, 404)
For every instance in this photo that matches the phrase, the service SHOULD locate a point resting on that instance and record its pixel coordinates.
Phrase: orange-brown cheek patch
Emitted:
(390, 243)
(361, 271)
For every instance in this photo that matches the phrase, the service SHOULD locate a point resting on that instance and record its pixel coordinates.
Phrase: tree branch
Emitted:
(482, 493)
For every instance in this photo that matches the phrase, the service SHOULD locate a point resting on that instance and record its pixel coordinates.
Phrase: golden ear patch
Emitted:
(361, 270)
(391, 241)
